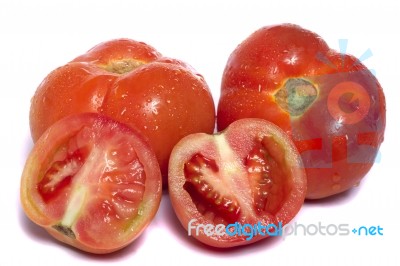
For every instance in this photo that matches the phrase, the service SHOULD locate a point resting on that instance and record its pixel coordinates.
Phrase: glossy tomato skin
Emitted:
(329, 103)
(133, 83)
(92, 183)
(165, 112)
(248, 174)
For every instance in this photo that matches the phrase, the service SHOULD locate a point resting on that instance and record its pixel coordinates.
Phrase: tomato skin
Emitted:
(94, 82)
(50, 213)
(71, 89)
(236, 181)
(339, 133)
(163, 111)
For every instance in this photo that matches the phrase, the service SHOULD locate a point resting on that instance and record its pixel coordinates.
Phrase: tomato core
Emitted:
(122, 66)
(296, 96)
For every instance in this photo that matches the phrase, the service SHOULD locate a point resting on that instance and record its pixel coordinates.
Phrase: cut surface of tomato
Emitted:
(91, 182)
(249, 174)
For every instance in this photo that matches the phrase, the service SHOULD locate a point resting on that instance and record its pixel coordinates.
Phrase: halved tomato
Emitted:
(249, 177)
(92, 183)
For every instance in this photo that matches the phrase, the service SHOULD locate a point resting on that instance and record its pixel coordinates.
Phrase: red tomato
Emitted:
(248, 174)
(132, 83)
(329, 103)
(92, 183)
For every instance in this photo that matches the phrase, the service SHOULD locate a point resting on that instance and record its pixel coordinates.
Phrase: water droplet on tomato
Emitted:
(336, 178)
(154, 53)
(167, 60)
(199, 76)
(123, 111)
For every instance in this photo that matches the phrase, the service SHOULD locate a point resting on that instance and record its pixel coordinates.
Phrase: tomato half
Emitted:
(329, 103)
(248, 174)
(91, 182)
(165, 99)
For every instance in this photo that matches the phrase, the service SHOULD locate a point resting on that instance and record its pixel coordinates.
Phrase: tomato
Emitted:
(329, 103)
(249, 174)
(131, 82)
(92, 183)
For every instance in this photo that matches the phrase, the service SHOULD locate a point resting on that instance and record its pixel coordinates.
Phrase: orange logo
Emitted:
(358, 96)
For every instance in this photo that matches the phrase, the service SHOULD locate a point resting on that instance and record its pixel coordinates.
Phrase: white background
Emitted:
(38, 36)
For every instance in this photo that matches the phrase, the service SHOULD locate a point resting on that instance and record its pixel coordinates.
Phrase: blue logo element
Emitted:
(347, 96)
(368, 231)
(343, 51)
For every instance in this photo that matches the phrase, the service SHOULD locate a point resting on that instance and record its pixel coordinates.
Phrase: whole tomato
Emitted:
(329, 103)
(165, 99)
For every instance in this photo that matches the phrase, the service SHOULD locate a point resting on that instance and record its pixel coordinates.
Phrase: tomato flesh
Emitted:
(265, 174)
(93, 183)
(249, 173)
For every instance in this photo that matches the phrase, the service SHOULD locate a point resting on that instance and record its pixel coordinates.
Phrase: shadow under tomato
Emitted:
(27, 148)
(341, 198)
(114, 256)
(175, 226)
(39, 234)
(31, 229)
